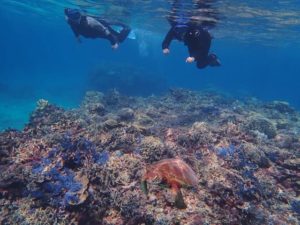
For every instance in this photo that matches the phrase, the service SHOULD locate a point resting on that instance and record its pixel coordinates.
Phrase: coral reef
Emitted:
(42, 103)
(85, 165)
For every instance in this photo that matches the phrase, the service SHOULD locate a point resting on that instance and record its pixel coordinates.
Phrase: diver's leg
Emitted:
(213, 60)
(202, 63)
(123, 34)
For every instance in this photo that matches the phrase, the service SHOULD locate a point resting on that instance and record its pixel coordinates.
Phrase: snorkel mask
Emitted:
(73, 14)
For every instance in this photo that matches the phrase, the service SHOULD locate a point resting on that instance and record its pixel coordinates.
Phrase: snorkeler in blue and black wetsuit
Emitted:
(193, 33)
(91, 27)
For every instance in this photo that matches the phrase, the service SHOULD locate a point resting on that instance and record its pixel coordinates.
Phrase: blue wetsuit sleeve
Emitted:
(168, 39)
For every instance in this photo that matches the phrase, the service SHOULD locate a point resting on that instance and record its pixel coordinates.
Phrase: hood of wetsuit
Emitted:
(73, 14)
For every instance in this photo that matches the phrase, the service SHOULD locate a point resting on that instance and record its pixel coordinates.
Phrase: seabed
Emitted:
(85, 165)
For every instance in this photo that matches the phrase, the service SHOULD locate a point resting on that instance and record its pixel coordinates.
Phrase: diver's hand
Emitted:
(115, 46)
(190, 59)
(166, 51)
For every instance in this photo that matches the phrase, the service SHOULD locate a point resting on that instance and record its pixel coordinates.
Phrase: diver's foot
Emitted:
(213, 60)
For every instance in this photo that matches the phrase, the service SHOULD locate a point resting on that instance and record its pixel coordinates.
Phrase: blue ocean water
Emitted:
(257, 42)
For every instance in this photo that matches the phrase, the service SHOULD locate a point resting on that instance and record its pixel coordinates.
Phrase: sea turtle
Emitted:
(174, 172)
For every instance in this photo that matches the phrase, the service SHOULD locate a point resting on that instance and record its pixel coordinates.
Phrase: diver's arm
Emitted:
(168, 39)
(76, 33)
(192, 53)
(113, 40)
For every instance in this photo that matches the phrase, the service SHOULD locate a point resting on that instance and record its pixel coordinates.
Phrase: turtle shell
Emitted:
(174, 171)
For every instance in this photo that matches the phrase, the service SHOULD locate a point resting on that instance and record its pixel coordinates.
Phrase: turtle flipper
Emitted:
(179, 202)
(144, 186)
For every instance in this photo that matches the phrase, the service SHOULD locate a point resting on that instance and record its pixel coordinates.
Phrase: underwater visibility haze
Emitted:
(95, 135)
(257, 43)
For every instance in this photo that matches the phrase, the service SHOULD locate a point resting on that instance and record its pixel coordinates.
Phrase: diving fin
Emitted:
(131, 35)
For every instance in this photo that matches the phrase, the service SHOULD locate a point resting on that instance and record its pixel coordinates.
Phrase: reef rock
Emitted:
(126, 114)
(217, 159)
(280, 106)
(261, 124)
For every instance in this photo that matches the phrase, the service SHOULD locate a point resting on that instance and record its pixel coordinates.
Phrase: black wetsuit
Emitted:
(198, 41)
(91, 27)
(192, 32)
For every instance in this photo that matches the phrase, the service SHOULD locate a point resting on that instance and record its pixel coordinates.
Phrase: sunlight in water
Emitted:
(266, 22)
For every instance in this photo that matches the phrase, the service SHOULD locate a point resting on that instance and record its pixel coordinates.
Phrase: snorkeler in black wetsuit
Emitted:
(91, 27)
(193, 33)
